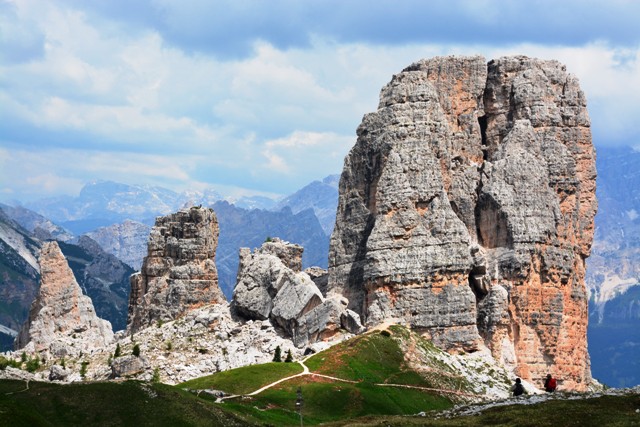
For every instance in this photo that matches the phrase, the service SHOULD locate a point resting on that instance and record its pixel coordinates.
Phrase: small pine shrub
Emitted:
(169, 346)
(4, 362)
(289, 357)
(33, 364)
(118, 351)
(156, 375)
(136, 350)
(23, 357)
(277, 356)
(83, 369)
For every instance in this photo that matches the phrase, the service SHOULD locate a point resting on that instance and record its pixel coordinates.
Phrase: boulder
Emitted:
(268, 288)
(58, 373)
(126, 366)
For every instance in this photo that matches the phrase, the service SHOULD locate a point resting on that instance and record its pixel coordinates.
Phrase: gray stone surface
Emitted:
(58, 373)
(127, 366)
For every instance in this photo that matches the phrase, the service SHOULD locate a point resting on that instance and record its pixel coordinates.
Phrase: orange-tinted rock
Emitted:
(62, 320)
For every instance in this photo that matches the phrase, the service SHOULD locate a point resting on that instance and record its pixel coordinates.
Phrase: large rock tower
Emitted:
(466, 211)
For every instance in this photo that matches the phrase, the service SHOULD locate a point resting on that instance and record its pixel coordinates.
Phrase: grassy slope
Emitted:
(106, 404)
(369, 360)
(134, 403)
(609, 411)
(246, 379)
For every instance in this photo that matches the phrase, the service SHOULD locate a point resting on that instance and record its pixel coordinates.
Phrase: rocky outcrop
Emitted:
(466, 211)
(62, 321)
(58, 373)
(127, 366)
(271, 286)
(248, 228)
(179, 272)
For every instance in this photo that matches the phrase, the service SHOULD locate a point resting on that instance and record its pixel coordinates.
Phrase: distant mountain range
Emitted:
(104, 231)
(613, 270)
(19, 276)
(321, 196)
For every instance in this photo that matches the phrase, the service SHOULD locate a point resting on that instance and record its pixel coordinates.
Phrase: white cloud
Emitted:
(103, 90)
(300, 139)
(65, 171)
(52, 183)
(306, 153)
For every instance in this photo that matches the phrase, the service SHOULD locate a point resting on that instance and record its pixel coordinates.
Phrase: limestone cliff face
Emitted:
(179, 271)
(466, 211)
(62, 320)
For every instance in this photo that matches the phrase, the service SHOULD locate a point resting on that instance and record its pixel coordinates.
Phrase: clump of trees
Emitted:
(277, 356)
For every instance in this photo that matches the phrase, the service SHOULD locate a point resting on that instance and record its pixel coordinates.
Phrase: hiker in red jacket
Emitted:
(550, 384)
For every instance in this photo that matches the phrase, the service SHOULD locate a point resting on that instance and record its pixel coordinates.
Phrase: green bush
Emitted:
(289, 357)
(136, 350)
(156, 375)
(33, 364)
(118, 351)
(277, 356)
(83, 368)
(4, 362)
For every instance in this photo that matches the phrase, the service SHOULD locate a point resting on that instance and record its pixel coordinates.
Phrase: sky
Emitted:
(261, 97)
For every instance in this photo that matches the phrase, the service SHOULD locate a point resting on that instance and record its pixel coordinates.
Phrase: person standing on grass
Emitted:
(550, 384)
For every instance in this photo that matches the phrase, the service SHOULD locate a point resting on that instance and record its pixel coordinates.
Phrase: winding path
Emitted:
(305, 371)
(20, 391)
